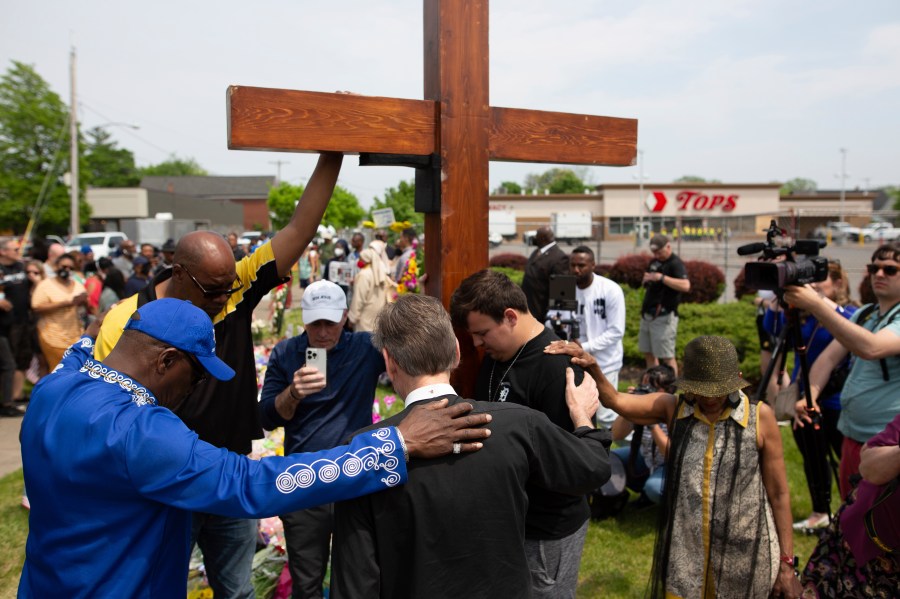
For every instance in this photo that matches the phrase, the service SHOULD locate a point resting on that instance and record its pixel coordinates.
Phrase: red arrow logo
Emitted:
(656, 201)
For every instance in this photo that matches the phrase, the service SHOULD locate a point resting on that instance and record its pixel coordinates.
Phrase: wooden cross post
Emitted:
(450, 137)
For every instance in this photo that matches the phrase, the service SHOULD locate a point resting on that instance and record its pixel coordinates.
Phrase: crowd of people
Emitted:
(153, 397)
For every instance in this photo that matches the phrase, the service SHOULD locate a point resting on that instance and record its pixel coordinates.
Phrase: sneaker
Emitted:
(12, 411)
(813, 522)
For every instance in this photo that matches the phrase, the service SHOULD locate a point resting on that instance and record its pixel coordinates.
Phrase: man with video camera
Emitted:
(871, 395)
(665, 280)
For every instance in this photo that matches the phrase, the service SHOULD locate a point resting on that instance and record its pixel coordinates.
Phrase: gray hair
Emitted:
(417, 334)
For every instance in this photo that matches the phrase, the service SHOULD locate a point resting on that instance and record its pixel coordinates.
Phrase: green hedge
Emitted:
(734, 320)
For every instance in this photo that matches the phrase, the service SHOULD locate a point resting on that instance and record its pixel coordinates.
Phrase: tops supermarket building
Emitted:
(743, 209)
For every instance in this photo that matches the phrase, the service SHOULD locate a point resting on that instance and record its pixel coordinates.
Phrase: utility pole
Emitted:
(278, 164)
(843, 180)
(640, 231)
(74, 222)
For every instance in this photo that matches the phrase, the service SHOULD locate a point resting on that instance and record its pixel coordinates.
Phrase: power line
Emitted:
(129, 131)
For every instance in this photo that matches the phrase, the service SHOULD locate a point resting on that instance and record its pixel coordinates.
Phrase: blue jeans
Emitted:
(228, 546)
(653, 486)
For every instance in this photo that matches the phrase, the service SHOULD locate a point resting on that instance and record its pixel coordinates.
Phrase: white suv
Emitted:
(103, 243)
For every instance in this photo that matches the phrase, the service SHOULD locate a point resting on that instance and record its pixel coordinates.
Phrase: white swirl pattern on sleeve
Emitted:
(302, 476)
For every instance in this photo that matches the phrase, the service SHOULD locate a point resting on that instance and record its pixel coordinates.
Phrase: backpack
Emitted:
(865, 313)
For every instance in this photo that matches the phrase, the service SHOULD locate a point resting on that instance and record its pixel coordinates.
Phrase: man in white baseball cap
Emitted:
(318, 409)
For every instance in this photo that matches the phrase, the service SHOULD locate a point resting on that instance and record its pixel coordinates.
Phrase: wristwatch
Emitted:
(790, 560)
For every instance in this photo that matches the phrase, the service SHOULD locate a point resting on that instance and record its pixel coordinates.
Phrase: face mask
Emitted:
(63, 273)
(338, 252)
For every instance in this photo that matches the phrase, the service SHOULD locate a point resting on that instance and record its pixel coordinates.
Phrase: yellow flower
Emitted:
(398, 226)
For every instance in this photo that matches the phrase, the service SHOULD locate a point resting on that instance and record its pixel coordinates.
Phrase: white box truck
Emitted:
(571, 226)
(501, 225)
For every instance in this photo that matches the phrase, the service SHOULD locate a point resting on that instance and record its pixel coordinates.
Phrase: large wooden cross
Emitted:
(450, 136)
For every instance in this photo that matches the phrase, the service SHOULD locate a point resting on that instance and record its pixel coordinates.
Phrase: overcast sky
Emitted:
(745, 91)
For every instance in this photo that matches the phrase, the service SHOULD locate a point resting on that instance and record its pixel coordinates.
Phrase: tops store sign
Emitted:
(689, 200)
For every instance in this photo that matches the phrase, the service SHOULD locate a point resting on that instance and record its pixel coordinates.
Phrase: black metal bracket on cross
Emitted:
(428, 176)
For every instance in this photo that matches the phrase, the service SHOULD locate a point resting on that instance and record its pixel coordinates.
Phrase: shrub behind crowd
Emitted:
(509, 260)
(734, 320)
(707, 280)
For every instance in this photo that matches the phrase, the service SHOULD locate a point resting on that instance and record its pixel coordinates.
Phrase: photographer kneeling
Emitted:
(871, 394)
(645, 456)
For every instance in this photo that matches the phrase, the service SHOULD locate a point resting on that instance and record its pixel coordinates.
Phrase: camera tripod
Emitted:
(791, 337)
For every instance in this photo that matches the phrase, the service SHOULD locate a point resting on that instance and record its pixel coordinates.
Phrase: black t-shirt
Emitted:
(224, 413)
(660, 294)
(14, 284)
(538, 380)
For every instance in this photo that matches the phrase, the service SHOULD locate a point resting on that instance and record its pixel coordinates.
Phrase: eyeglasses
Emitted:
(214, 293)
(889, 269)
(198, 372)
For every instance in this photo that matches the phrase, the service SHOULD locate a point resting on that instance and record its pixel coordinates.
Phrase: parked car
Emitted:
(495, 239)
(877, 231)
(249, 238)
(103, 243)
(840, 231)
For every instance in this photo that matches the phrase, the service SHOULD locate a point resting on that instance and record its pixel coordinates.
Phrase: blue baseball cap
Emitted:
(86, 249)
(183, 326)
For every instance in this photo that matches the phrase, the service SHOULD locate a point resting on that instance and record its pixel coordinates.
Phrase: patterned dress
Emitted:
(722, 537)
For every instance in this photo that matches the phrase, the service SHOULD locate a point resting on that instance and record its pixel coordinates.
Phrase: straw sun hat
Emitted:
(711, 368)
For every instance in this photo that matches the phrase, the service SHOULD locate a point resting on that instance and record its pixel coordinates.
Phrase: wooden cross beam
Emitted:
(455, 125)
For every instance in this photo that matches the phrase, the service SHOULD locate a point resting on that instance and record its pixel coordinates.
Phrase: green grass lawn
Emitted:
(617, 554)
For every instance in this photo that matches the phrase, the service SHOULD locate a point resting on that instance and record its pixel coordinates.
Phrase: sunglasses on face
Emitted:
(214, 293)
(889, 269)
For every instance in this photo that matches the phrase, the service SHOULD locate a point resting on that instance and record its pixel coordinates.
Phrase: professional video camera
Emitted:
(775, 276)
(562, 298)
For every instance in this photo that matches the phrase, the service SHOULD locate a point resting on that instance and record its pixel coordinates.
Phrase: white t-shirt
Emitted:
(601, 318)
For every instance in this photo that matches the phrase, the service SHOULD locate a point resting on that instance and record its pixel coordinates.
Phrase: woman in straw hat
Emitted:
(725, 523)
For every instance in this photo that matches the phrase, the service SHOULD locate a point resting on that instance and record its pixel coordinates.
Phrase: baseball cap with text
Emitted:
(323, 300)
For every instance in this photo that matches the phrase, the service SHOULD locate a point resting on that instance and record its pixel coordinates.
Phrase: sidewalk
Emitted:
(10, 451)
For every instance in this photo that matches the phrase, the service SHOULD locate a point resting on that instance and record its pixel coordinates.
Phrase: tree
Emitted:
(174, 167)
(694, 179)
(403, 201)
(343, 208)
(34, 148)
(798, 184)
(106, 164)
(894, 194)
(509, 187)
(555, 180)
(282, 201)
